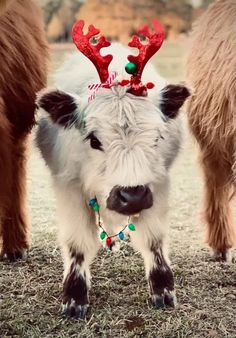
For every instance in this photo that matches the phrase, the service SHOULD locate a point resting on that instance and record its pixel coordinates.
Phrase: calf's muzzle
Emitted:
(130, 200)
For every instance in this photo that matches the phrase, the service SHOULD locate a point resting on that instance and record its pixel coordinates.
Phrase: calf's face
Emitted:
(121, 141)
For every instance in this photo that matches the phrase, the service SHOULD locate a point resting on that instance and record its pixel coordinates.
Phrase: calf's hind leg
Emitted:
(218, 214)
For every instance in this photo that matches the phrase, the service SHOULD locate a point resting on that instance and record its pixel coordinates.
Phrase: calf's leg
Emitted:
(76, 283)
(158, 272)
(79, 242)
(161, 278)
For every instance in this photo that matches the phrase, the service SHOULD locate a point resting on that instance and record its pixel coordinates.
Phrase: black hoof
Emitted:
(167, 299)
(16, 255)
(71, 309)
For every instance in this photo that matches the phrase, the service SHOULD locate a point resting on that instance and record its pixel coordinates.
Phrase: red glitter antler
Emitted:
(146, 51)
(92, 52)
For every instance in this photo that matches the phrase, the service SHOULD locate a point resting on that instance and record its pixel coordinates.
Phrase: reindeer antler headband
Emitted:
(136, 64)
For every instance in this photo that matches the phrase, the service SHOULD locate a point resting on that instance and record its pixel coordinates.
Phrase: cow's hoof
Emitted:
(71, 309)
(15, 255)
(226, 255)
(167, 299)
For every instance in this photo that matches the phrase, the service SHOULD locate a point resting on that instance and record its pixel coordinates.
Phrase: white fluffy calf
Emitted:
(118, 147)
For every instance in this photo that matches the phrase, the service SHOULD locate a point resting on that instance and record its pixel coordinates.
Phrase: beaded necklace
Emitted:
(103, 234)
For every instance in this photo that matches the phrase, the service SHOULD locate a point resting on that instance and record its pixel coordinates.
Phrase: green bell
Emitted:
(131, 68)
(103, 235)
(96, 207)
(131, 227)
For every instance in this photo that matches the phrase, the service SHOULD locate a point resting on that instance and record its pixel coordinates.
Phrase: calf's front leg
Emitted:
(160, 277)
(79, 244)
(76, 283)
(158, 272)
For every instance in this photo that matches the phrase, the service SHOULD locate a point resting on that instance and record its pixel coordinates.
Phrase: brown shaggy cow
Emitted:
(23, 59)
(212, 117)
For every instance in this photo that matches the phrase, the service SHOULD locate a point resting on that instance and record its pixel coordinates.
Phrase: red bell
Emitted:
(109, 241)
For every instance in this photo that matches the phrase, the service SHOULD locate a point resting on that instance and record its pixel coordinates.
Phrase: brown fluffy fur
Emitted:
(4, 4)
(23, 57)
(212, 115)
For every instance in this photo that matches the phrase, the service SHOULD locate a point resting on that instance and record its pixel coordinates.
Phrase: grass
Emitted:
(30, 292)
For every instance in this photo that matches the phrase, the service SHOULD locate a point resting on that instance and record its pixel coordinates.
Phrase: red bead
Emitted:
(150, 85)
(109, 241)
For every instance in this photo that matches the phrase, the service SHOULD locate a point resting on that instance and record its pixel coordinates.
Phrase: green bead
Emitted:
(131, 68)
(131, 227)
(96, 207)
(103, 235)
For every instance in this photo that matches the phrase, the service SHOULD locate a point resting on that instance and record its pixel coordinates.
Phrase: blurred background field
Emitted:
(119, 19)
(170, 59)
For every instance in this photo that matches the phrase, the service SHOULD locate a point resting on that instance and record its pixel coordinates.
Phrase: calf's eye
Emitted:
(94, 141)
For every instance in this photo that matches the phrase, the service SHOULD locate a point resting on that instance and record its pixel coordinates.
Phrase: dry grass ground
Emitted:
(30, 292)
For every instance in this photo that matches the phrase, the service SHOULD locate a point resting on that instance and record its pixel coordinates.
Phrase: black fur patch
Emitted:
(172, 99)
(60, 106)
(75, 287)
(78, 257)
(161, 277)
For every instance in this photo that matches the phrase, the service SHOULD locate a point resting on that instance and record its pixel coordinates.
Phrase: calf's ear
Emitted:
(172, 99)
(60, 106)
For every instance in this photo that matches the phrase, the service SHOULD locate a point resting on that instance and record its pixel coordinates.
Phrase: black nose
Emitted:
(130, 200)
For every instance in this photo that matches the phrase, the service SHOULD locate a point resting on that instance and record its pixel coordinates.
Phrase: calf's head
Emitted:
(120, 145)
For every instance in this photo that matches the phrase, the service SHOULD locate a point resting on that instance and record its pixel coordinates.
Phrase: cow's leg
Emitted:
(5, 172)
(14, 220)
(153, 248)
(79, 242)
(218, 214)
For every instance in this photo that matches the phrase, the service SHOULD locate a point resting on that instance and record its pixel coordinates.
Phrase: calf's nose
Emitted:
(130, 200)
